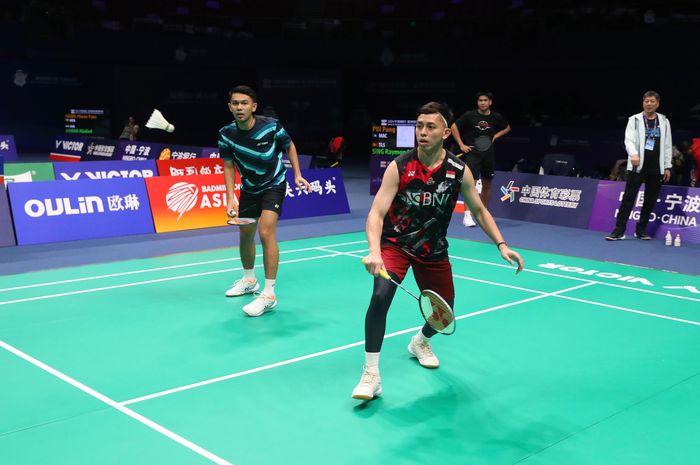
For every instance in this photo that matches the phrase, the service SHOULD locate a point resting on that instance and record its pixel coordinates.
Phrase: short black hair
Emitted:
(484, 93)
(246, 90)
(442, 109)
(651, 93)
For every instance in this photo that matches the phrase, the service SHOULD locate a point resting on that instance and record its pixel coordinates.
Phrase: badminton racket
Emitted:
(240, 221)
(433, 308)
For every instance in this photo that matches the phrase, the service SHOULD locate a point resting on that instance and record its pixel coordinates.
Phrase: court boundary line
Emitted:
(159, 280)
(116, 405)
(148, 270)
(290, 361)
(604, 283)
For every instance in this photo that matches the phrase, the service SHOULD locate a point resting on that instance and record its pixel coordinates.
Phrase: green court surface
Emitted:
(146, 362)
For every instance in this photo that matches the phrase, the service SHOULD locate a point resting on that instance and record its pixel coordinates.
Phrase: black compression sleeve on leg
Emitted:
(375, 320)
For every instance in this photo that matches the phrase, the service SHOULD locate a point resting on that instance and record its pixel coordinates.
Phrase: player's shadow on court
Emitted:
(367, 408)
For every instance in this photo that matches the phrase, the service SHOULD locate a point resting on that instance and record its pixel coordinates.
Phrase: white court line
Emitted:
(159, 280)
(624, 309)
(116, 405)
(525, 289)
(604, 283)
(149, 270)
(330, 351)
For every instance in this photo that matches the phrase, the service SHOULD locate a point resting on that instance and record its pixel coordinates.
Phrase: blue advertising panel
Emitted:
(561, 200)
(54, 211)
(179, 152)
(328, 196)
(105, 170)
(377, 167)
(209, 152)
(138, 150)
(304, 161)
(68, 148)
(99, 150)
(677, 210)
(7, 234)
(8, 150)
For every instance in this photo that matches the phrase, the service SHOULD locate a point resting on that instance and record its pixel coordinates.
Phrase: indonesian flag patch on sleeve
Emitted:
(450, 174)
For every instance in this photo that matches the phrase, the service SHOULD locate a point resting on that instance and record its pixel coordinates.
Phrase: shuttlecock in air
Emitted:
(158, 121)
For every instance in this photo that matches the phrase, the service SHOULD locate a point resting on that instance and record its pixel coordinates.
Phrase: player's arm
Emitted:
(458, 138)
(375, 220)
(486, 221)
(230, 180)
(294, 160)
(501, 133)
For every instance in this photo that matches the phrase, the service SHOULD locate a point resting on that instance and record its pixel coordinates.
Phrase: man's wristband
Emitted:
(498, 246)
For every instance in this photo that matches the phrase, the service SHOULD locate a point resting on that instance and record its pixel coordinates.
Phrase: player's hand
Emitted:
(635, 160)
(667, 174)
(512, 257)
(302, 184)
(466, 148)
(232, 208)
(373, 263)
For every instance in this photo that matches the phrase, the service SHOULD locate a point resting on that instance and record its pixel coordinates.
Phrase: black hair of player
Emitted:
(245, 90)
(652, 93)
(442, 109)
(487, 94)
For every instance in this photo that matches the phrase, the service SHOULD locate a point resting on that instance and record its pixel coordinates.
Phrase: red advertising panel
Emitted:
(190, 167)
(187, 202)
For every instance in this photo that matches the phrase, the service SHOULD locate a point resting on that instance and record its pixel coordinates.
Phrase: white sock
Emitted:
(468, 213)
(269, 287)
(372, 362)
(249, 274)
(422, 337)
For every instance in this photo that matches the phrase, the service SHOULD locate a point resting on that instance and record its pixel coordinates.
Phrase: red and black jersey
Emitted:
(420, 213)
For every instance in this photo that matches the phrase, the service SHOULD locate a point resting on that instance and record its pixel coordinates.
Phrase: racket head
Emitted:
(240, 221)
(437, 312)
(483, 143)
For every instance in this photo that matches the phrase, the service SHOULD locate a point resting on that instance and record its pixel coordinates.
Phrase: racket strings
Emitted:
(437, 312)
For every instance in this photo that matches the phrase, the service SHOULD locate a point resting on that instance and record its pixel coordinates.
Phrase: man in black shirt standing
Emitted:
(475, 132)
(649, 146)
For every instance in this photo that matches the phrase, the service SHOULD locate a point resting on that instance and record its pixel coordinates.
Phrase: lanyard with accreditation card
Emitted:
(651, 137)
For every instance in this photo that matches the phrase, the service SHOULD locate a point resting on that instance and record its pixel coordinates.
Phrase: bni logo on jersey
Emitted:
(509, 192)
(181, 198)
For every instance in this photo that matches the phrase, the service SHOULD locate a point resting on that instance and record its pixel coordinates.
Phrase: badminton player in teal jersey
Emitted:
(407, 227)
(253, 145)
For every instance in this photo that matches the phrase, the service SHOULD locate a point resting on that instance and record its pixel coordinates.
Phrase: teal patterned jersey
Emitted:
(257, 152)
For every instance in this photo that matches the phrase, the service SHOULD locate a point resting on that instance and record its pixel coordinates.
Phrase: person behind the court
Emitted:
(475, 132)
(649, 147)
(130, 129)
(253, 145)
(407, 227)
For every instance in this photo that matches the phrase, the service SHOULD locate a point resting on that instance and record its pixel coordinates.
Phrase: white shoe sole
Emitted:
(255, 288)
(362, 396)
(267, 309)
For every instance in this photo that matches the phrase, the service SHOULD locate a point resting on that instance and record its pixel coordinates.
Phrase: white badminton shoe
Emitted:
(422, 351)
(468, 220)
(262, 303)
(370, 386)
(241, 287)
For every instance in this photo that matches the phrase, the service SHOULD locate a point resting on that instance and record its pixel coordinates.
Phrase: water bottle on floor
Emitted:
(669, 238)
(677, 240)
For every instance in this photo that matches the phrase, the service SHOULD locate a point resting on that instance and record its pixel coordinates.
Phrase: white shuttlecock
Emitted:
(158, 121)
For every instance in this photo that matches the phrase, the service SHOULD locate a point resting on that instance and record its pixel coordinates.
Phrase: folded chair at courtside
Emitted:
(333, 154)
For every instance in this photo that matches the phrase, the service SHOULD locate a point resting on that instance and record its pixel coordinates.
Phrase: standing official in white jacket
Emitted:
(648, 145)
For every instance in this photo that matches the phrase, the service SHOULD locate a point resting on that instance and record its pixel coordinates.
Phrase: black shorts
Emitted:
(252, 205)
(481, 164)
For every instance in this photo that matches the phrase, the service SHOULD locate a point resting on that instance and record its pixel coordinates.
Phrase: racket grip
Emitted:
(382, 272)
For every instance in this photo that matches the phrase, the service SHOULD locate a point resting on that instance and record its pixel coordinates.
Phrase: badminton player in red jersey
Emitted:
(407, 226)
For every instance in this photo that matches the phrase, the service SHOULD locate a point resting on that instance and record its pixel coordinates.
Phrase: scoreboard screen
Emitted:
(392, 137)
(87, 122)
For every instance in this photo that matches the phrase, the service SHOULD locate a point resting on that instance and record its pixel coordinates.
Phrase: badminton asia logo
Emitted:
(509, 192)
(183, 197)
(35, 208)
